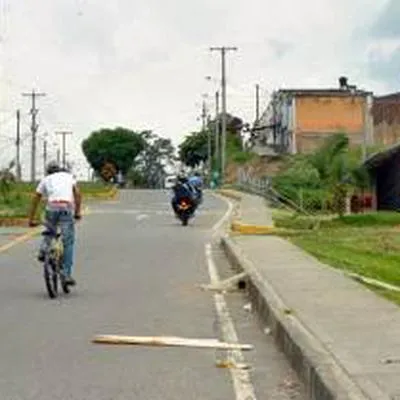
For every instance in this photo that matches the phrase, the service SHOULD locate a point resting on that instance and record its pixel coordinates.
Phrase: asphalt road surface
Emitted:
(137, 269)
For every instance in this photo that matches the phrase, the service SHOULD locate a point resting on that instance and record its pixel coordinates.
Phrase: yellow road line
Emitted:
(28, 235)
(22, 238)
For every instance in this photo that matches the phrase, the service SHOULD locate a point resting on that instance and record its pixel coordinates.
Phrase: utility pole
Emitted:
(209, 153)
(223, 51)
(44, 156)
(18, 144)
(257, 103)
(64, 146)
(217, 155)
(203, 116)
(34, 128)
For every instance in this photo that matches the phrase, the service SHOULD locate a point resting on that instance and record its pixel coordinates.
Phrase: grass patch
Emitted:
(368, 251)
(287, 219)
(367, 244)
(18, 200)
(381, 218)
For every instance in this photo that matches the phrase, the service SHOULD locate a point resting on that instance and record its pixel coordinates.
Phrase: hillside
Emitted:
(257, 167)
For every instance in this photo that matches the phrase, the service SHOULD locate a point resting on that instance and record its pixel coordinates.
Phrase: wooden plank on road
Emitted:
(169, 341)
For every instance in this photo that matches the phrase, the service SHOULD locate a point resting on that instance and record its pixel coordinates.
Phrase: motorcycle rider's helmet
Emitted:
(181, 178)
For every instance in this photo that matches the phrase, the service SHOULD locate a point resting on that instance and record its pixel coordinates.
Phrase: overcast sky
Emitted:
(142, 64)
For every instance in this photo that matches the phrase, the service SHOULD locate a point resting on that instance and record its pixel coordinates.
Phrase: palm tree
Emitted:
(340, 169)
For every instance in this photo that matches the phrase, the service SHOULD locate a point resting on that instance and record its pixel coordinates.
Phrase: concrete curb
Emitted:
(232, 194)
(324, 377)
(243, 228)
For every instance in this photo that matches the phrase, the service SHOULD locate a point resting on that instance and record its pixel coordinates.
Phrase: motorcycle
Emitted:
(185, 209)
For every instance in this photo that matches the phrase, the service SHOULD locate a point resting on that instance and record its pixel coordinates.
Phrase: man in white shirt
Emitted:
(63, 206)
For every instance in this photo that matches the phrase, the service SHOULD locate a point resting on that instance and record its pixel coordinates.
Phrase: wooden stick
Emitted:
(227, 284)
(373, 282)
(169, 341)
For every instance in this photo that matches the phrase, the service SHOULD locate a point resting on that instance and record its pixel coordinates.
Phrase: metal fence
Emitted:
(259, 186)
(263, 187)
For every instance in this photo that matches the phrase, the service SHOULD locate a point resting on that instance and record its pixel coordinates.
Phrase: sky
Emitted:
(142, 64)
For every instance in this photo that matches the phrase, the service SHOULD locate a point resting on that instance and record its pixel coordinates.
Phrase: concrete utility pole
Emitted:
(209, 154)
(44, 155)
(257, 102)
(18, 145)
(217, 155)
(64, 146)
(223, 51)
(34, 128)
(203, 116)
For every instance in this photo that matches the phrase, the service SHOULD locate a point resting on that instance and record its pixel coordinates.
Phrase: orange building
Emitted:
(297, 121)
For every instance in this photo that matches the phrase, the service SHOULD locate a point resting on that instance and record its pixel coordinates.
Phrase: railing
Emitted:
(263, 187)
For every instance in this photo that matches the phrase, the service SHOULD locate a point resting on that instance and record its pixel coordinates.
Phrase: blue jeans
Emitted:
(64, 218)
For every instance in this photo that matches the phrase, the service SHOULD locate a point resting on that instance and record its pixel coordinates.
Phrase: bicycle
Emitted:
(52, 264)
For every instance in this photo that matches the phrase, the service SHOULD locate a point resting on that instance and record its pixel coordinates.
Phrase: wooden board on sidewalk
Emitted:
(169, 341)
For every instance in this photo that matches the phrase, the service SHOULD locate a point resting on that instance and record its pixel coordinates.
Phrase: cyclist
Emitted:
(60, 189)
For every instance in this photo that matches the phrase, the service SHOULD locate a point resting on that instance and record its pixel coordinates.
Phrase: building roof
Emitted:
(325, 92)
(388, 97)
(386, 108)
(378, 158)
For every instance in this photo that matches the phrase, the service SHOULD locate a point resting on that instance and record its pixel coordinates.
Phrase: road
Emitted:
(137, 271)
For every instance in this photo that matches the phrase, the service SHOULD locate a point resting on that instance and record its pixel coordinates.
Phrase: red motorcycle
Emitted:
(185, 209)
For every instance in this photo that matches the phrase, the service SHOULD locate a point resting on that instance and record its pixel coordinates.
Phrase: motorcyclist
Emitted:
(197, 183)
(182, 188)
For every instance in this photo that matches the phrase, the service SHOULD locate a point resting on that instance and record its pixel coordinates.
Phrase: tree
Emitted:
(7, 179)
(327, 175)
(119, 147)
(149, 169)
(194, 149)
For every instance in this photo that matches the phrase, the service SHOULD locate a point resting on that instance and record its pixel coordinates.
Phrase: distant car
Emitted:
(169, 182)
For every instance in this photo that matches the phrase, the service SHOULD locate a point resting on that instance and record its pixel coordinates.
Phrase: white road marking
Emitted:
(141, 217)
(243, 387)
(242, 384)
(226, 216)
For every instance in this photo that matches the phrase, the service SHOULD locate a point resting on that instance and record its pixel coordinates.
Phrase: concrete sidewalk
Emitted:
(343, 340)
(253, 215)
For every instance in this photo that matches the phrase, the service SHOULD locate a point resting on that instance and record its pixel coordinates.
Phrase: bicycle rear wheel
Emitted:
(64, 285)
(50, 278)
